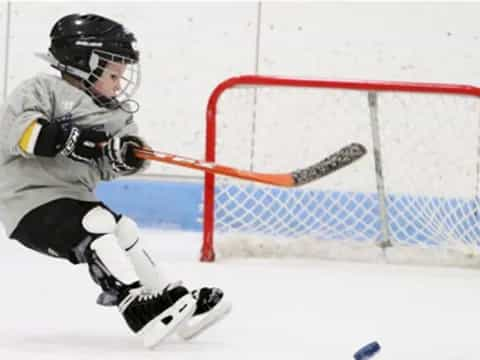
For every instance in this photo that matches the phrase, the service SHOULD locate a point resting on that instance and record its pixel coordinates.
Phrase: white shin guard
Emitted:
(101, 221)
(113, 258)
(147, 271)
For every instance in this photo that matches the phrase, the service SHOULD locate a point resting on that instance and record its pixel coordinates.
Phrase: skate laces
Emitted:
(140, 294)
(147, 295)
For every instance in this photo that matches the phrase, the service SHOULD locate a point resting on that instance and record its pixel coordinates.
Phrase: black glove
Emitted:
(120, 153)
(80, 145)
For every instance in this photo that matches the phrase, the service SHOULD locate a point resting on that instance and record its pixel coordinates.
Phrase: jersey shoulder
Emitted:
(45, 86)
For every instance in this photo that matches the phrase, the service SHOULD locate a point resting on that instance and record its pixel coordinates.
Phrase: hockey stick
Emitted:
(339, 159)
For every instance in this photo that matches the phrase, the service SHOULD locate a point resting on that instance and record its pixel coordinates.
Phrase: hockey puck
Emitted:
(367, 352)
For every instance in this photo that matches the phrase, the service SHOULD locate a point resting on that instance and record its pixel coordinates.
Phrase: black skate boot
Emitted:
(211, 307)
(154, 315)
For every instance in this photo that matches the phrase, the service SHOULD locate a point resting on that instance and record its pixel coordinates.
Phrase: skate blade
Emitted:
(197, 324)
(159, 328)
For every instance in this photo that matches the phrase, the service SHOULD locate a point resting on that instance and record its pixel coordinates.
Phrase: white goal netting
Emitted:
(412, 198)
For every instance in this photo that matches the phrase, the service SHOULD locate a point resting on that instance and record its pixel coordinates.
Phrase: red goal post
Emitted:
(370, 88)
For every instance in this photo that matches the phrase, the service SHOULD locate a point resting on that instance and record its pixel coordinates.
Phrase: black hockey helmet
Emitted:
(83, 45)
(74, 37)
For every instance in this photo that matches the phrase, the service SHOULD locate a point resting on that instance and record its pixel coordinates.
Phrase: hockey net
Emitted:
(412, 199)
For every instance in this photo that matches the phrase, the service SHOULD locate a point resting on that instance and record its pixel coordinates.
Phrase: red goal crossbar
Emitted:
(207, 251)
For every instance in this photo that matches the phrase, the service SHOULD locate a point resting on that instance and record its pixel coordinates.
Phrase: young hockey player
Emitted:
(60, 137)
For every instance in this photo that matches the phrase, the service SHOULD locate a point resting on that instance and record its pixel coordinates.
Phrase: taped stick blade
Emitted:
(339, 159)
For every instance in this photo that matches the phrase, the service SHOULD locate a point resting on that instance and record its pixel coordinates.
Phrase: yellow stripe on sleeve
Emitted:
(29, 137)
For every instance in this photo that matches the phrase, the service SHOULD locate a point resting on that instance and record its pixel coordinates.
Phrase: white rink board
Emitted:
(404, 41)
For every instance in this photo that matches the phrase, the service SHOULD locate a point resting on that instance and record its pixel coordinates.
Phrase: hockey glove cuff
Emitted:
(44, 138)
(81, 145)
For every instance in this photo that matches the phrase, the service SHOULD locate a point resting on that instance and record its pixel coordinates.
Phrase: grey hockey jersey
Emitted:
(28, 181)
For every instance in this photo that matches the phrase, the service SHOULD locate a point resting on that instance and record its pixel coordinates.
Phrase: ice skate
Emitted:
(155, 315)
(211, 307)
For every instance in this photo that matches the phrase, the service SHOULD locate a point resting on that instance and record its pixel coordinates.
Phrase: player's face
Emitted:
(109, 84)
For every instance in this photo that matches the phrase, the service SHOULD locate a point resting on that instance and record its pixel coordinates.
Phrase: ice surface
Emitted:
(282, 309)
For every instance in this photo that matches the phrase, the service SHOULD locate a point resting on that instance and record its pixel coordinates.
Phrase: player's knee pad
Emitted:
(127, 233)
(99, 221)
(96, 223)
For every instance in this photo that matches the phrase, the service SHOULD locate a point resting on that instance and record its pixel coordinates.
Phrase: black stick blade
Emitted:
(339, 159)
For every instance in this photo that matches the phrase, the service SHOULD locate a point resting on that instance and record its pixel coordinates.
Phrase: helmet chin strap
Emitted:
(101, 100)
